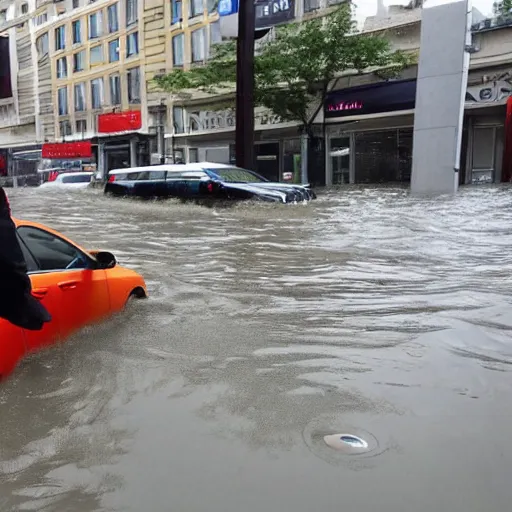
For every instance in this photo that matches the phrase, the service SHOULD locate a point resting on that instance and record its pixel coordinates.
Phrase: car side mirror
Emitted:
(106, 260)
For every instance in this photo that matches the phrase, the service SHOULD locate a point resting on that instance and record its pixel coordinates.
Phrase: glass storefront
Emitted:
(383, 156)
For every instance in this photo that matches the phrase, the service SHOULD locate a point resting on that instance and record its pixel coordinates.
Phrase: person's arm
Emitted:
(17, 304)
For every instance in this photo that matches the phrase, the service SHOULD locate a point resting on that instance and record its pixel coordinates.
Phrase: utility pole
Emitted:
(244, 138)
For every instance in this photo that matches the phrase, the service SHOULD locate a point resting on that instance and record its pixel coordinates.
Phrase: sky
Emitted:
(366, 8)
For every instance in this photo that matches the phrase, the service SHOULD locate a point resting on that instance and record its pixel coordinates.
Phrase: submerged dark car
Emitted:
(202, 181)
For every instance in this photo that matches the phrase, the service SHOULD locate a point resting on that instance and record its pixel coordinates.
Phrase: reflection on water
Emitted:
(366, 312)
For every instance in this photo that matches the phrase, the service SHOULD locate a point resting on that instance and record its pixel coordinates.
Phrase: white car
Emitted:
(72, 180)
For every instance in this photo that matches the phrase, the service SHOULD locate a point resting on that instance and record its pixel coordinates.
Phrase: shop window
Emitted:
(383, 156)
(113, 50)
(177, 11)
(77, 32)
(178, 50)
(291, 163)
(79, 97)
(193, 155)
(60, 38)
(340, 160)
(62, 101)
(132, 44)
(113, 18)
(78, 61)
(133, 76)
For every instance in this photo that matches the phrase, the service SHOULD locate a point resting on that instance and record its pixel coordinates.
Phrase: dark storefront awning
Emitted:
(371, 99)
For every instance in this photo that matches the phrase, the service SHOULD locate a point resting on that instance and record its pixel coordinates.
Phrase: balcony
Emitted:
(7, 113)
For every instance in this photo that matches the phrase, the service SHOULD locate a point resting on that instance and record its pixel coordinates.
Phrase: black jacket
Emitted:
(16, 301)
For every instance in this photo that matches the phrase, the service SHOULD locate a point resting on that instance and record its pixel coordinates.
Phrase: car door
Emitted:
(12, 347)
(82, 289)
(45, 290)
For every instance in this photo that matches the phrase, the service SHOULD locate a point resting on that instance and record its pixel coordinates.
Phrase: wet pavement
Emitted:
(367, 313)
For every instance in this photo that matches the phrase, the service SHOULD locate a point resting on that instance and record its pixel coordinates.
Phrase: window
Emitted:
(97, 93)
(215, 35)
(62, 67)
(42, 45)
(78, 61)
(60, 38)
(311, 5)
(96, 55)
(39, 19)
(64, 128)
(133, 76)
(24, 8)
(131, 12)
(178, 50)
(77, 178)
(177, 11)
(95, 25)
(76, 4)
(193, 155)
(196, 7)
(29, 259)
(198, 45)
(113, 18)
(62, 96)
(80, 97)
(3, 15)
(50, 251)
(113, 50)
(81, 126)
(178, 120)
(77, 32)
(132, 44)
(212, 6)
(115, 89)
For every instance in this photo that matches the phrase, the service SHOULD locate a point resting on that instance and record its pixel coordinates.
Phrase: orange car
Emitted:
(76, 286)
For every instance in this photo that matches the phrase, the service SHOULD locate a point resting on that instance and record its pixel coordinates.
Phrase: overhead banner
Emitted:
(371, 99)
(67, 150)
(120, 122)
(268, 13)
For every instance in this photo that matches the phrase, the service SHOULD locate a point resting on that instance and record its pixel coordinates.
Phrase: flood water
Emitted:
(366, 312)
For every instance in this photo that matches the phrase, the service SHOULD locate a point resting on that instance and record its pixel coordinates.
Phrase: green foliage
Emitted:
(294, 69)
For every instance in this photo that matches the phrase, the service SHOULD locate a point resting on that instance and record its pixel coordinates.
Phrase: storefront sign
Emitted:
(371, 99)
(268, 12)
(67, 150)
(273, 12)
(120, 122)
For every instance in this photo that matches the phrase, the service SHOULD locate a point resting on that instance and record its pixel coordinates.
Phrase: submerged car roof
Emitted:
(199, 166)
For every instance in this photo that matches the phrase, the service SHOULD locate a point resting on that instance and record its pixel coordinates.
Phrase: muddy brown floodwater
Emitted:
(367, 312)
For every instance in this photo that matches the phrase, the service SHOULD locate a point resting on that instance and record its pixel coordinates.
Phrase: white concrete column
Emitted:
(441, 87)
(133, 153)
(102, 164)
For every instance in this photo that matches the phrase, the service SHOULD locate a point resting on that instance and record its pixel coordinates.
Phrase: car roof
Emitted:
(199, 166)
(87, 173)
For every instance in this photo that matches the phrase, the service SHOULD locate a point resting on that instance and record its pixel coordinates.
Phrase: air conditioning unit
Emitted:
(489, 93)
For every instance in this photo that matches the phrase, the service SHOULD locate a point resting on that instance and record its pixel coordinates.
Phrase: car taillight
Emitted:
(112, 178)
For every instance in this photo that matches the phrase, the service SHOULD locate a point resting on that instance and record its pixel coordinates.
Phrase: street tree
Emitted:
(295, 67)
